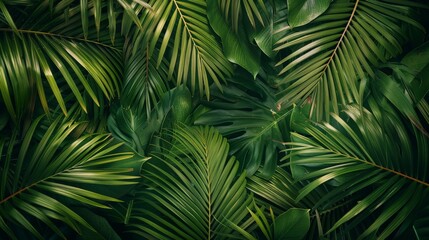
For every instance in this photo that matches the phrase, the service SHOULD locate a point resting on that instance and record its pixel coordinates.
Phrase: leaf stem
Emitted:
(342, 36)
(27, 31)
(384, 169)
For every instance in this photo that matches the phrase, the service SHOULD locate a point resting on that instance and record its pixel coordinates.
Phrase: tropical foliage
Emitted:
(214, 119)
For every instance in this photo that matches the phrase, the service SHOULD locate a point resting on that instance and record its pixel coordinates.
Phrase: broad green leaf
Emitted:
(137, 129)
(418, 62)
(302, 12)
(235, 45)
(246, 114)
(293, 224)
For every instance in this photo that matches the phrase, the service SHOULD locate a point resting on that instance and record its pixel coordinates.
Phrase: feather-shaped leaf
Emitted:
(341, 46)
(144, 83)
(192, 189)
(52, 169)
(371, 155)
(180, 30)
(51, 53)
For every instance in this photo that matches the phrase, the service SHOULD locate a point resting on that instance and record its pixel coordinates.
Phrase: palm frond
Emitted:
(328, 56)
(255, 12)
(144, 83)
(279, 192)
(246, 114)
(44, 58)
(192, 189)
(54, 168)
(370, 155)
(180, 30)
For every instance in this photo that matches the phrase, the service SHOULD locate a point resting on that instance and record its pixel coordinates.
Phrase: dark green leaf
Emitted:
(235, 45)
(293, 224)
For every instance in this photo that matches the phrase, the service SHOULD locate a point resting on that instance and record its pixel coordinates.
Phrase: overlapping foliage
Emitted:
(205, 119)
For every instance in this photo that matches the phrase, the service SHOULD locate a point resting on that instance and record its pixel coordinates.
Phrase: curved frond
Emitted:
(246, 114)
(44, 58)
(371, 154)
(192, 190)
(279, 192)
(341, 46)
(55, 168)
(180, 30)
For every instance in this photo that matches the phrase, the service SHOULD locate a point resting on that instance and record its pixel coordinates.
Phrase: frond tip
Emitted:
(181, 32)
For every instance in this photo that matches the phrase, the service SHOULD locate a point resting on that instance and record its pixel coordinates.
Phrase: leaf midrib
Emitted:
(209, 191)
(191, 37)
(27, 31)
(383, 168)
(341, 38)
(272, 124)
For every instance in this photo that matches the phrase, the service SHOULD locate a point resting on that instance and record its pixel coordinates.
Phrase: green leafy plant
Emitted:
(193, 189)
(351, 159)
(55, 169)
(116, 115)
(292, 224)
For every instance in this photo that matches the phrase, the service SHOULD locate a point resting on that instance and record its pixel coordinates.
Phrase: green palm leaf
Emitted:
(144, 83)
(341, 46)
(191, 190)
(279, 192)
(246, 114)
(372, 156)
(54, 168)
(254, 10)
(180, 30)
(49, 53)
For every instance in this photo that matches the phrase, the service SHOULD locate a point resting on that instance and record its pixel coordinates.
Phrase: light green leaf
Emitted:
(302, 12)
(61, 168)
